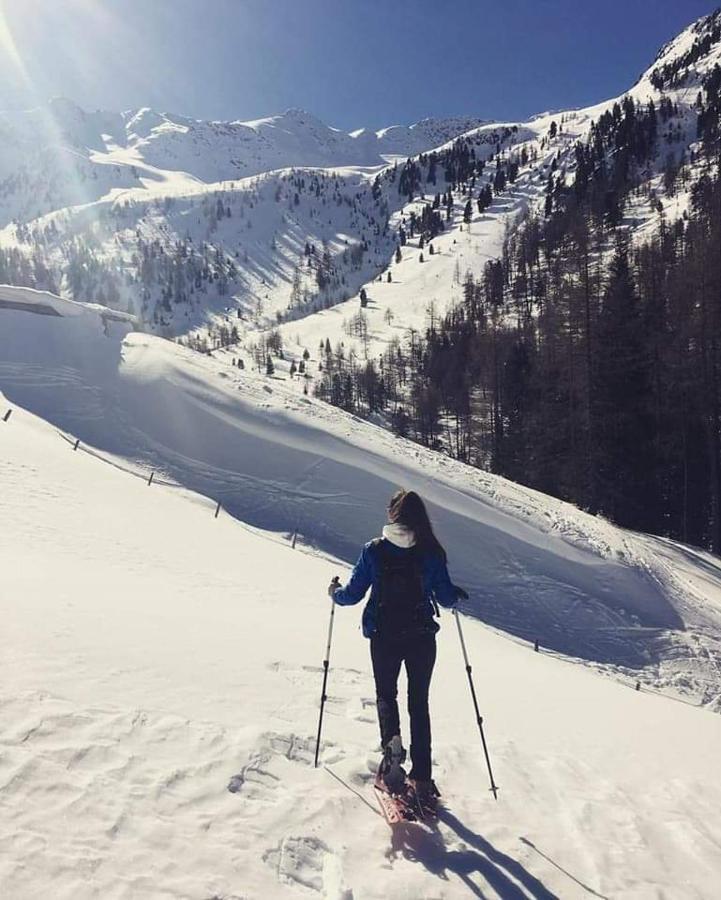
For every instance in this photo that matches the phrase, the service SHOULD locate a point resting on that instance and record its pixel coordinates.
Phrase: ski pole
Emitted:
(479, 717)
(323, 697)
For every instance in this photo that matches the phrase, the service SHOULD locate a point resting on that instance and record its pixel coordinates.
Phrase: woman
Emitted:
(406, 571)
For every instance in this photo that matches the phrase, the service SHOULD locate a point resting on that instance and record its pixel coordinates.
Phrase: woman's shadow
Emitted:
(501, 872)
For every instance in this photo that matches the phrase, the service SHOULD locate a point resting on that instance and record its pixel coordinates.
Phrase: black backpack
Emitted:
(403, 610)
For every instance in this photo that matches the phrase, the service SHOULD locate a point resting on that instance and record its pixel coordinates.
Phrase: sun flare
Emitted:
(8, 46)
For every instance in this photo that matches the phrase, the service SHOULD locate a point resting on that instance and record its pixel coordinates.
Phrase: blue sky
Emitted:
(350, 62)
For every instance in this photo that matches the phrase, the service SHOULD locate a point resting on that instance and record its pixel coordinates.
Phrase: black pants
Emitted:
(419, 654)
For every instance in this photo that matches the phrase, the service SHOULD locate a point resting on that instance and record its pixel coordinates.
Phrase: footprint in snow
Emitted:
(299, 862)
(264, 770)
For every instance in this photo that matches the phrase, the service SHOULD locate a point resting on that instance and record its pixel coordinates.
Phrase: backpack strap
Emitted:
(385, 555)
(377, 544)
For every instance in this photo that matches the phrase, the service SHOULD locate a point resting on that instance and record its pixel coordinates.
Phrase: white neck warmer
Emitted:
(399, 535)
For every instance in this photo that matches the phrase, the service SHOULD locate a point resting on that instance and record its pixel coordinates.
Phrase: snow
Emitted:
(160, 674)
(45, 303)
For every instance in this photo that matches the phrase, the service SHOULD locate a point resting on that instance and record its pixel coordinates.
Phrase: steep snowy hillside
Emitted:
(160, 668)
(251, 248)
(426, 274)
(682, 62)
(535, 567)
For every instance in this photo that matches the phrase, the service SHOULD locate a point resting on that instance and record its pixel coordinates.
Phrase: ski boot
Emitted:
(391, 774)
(424, 796)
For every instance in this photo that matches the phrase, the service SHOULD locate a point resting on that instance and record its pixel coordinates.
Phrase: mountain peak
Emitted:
(295, 112)
(690, 55)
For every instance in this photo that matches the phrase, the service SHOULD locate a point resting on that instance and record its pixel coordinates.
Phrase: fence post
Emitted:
(76, 444)
(150, 480)
(295, 536)
(536, 645)
(217, 509)
(7, 415)
(638, 685)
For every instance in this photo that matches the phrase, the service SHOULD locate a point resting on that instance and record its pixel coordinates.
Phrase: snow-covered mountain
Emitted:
(281, 244)
(60, 155)
(92, 191)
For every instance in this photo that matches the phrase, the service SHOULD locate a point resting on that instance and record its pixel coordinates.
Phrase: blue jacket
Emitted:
(366, 574)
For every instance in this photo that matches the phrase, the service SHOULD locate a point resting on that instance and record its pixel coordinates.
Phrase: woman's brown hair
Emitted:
(407, 508)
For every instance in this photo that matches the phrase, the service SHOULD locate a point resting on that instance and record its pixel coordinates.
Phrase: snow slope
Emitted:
(535, 567)
(159, 679)
(234, 247)
(398, 307)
